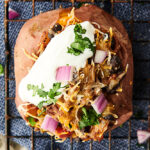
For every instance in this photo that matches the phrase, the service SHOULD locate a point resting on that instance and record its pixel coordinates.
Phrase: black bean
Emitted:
(57, 27)
(109, 117)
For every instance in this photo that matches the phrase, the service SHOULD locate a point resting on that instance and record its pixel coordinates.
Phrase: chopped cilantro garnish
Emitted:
(37, 90)
(31, 121)
(89, 117)
(80, 43)
(1, 70)
(78, 29)
(40, 105)
(56, 86)
(50, 95)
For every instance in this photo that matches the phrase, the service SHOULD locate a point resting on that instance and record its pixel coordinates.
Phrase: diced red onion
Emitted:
(64, 73)
(12, 14)
(100, 56)
(142, 136)
(49, 124)
(100, 104)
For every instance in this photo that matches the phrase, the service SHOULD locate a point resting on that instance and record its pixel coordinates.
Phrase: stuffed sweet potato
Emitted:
(74, 73)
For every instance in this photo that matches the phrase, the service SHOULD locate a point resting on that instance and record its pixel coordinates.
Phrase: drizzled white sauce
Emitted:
(55, 55)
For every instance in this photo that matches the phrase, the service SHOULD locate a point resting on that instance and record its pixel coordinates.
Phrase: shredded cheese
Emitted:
(35, 56)
(41, 49)
(119, 89)
(28, 55)
(73, 94)
(111, 35)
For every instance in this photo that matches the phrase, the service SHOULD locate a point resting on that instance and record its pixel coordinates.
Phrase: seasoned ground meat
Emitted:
(109, 117)
(52, 110)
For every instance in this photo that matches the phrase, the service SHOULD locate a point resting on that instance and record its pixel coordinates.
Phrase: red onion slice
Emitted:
(64, 73)
(49, 124)
(12, 14)
(100, 104)
(100, 56)
(142, 136)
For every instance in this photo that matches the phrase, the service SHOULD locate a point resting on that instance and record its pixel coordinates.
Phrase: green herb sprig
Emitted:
(37, 91)
(1, 70)
(80, 43)
(89, 117)
(31, 121)
(50, 95)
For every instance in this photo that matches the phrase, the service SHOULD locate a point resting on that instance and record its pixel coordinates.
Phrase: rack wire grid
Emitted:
(132, 23)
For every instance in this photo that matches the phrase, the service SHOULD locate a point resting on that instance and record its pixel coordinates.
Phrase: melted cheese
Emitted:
(55, 55)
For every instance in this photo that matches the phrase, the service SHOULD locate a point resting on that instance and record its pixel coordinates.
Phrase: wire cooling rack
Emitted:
(141, 90)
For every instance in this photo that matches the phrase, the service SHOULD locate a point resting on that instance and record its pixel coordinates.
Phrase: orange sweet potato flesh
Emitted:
(29, 38)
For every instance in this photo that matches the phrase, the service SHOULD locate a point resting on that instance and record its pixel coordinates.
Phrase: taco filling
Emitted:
(66, 92)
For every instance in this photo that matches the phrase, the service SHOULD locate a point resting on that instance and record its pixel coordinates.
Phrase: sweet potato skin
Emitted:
(29, 38)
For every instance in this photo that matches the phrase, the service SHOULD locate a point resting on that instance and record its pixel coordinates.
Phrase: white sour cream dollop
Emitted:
(55, 55)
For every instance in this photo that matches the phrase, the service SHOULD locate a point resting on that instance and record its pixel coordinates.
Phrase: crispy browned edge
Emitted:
(29, 38)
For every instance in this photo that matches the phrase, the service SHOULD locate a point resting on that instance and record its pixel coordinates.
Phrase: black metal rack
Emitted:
(7, 79)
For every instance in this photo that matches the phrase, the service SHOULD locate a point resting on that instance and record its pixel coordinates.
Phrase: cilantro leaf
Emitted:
(29, 87)
(89, 117)
(73, 51)
(78, 29)
(40, 105)
(42, 93)
(80, 44)
(50, 95)
(37, 90)
(84, 111)
(50, 101)
(57, 93)
(1, 70)
(31, 121)
(56, 86)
